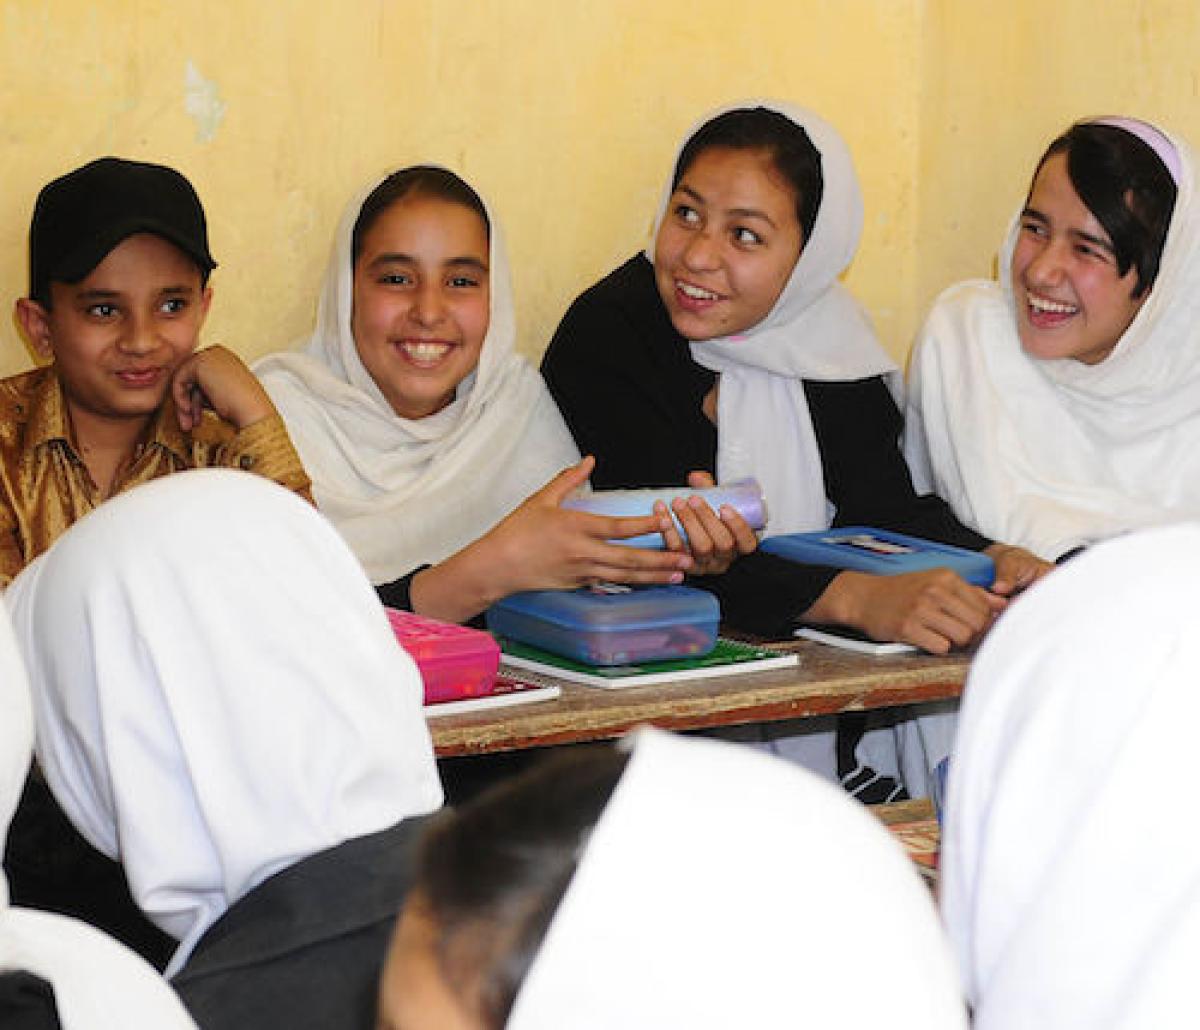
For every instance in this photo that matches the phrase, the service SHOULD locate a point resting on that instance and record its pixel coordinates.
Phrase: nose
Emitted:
(1048, 265)
(428, 306)
(141, 336)
(701, 253)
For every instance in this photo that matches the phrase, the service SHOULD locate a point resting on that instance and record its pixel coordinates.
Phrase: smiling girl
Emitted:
(428, 439)
(730, 348)
(1060, 405)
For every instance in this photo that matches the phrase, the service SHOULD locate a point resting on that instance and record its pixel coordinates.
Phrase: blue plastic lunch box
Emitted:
(611, 625)
(866, 549)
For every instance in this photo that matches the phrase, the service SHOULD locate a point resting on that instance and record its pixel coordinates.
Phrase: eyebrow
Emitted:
(399, 258)
(735, 212)
(1079, 234)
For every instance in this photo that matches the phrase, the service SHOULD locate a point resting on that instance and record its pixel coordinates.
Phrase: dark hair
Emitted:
(758, 128)
(418, 180)
(493, 872)
(1125, 184)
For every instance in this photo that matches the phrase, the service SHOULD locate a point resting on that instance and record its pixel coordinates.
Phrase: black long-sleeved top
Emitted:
(631, 393)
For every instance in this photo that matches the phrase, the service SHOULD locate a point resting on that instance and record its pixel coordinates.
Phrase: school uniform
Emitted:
(410, 492)
(58, 973)
(1070, 883)
(1054, 455)
(238, 726)
(724, 888)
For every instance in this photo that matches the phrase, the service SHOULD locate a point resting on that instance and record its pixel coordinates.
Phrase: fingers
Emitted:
(186, 393)
(700, 480)
(707, 536)
(567, 481)
(745, 539)
(672, 538)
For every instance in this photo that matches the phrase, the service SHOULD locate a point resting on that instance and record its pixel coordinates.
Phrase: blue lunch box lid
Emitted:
(614, 607)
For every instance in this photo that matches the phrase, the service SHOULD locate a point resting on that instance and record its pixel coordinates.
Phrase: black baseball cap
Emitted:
(80, 217)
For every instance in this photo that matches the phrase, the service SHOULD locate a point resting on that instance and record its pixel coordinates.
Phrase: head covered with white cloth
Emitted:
(408, 491)
(1070, 864)
(218, 693)
(815, 330)
(1052, 453)
(712, 886)
(54, 971)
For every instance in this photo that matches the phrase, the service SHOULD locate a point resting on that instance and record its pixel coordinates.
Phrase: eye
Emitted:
(1035, 229)
(746, 237)
(173, 306)
(463, 282)
(686, 214)
(102, 311)
(1094, 253)
(395, 279)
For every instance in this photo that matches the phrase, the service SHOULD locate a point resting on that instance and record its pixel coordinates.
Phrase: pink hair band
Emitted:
(1153, 137)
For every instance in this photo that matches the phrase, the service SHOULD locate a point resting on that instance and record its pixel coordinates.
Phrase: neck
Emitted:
(106, 445)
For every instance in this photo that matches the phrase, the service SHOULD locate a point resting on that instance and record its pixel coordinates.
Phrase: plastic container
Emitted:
(611, 625)
(743, 495)
(454, 661)
(866, 549)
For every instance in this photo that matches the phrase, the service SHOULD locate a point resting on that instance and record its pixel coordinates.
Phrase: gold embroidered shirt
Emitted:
(45, 486)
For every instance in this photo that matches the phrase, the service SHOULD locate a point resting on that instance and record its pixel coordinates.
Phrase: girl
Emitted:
(423, 430)
(57, 973)
(731, 348)
(1070, 864)
(668, 887)
(1062, 404)
(238, 726)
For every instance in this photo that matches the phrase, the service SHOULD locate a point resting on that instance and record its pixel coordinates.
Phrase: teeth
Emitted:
(425, 353)
(695, 292)
(1042, 304)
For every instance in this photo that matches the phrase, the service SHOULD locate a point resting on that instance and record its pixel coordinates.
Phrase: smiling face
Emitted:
(1071, 300)
(118, 335)
(421, 301)
(727, 243)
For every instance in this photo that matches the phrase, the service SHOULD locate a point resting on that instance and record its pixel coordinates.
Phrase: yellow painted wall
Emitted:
(565, 113)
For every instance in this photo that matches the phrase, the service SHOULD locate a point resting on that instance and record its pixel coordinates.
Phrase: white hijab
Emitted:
(217, 690)
(1054, 454)
(404, 492)
(725, 888)
(816, 330)
(98, 984)
(1070, 858)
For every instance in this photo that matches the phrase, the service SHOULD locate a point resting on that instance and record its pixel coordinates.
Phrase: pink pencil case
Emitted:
(454, 661)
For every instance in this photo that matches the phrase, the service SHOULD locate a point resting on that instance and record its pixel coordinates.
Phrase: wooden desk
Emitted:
(826, 681)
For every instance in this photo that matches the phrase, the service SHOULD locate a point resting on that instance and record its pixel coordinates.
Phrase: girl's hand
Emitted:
(713, 540)
(217, 379)
(1016, 568)
(937, 610)
(541, 546)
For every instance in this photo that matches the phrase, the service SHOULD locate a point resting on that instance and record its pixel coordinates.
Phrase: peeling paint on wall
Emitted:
(203, 103)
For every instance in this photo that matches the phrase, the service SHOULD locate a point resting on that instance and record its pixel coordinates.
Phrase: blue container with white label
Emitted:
(610, 624)
(866, 549)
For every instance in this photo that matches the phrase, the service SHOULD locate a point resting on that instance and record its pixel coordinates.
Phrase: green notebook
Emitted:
(729, 657)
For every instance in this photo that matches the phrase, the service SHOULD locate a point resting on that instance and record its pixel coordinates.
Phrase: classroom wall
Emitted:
(566, 115)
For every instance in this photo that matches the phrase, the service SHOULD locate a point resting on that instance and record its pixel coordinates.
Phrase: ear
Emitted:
(205, 303)
(34, 321)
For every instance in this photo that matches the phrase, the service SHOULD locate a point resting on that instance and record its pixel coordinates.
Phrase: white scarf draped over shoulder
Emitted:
(722, 887)
(1070, 858)
(816, 330)
(98, 984)
(1054, 454)
(218, 693)
(405, 492)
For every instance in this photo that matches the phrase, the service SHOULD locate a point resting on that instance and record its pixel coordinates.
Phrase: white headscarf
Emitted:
(404, 492)
(816, 330)
(1070, 861)
(98, 984)
(725, 888)
(217, 690)
(1054, 454)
